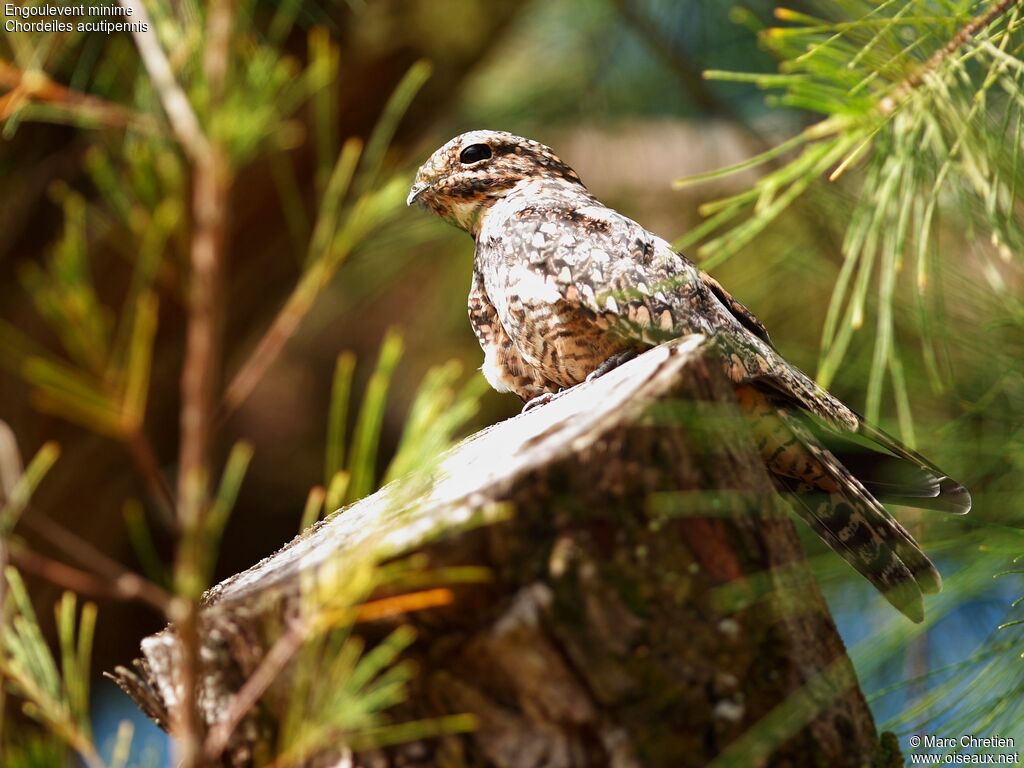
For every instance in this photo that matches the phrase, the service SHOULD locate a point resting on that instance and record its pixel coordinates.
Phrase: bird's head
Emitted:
(465, 177)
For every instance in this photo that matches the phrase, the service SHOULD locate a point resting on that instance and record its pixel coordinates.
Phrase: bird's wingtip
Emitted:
(955, 495)
(906, 597)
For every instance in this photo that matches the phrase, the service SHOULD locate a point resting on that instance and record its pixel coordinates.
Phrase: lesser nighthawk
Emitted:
(565, 288)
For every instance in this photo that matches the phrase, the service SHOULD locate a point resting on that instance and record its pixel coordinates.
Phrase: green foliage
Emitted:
(142, 543)
(912, 153)
(104, 383)
(355, 203)
(57, 698)
(34, 751)
(337, 418)
(438, 414)
(983, 693)
(924, 109)
(346, 695)
(198, 549)
(15, 499)
(341, 691)
(148, 130)
(368, 425)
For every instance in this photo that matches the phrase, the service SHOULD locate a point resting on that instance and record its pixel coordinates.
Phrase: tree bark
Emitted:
(649, 603)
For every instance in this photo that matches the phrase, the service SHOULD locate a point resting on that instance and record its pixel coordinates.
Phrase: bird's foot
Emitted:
(540, 400)
(611, 364)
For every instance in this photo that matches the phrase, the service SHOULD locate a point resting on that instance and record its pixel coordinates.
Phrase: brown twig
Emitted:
(201, 369)
(130, 585)
(127, 587)
(968, 31)
(11, 469)
(200, 372)
(24, 86)
(218, 39)
(179, 111)
(203, 336)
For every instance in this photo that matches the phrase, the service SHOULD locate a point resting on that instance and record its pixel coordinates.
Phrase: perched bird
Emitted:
(565, 288)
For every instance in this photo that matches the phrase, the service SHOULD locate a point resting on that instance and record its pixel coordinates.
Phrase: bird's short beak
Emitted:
(417, 188)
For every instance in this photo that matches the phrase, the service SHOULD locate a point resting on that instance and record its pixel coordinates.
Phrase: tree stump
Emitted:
(649, 603)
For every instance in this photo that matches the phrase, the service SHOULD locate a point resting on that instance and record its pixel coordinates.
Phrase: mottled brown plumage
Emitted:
(565, 287)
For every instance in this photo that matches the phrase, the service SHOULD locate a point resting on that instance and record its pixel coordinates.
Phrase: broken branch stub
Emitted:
(648, 601)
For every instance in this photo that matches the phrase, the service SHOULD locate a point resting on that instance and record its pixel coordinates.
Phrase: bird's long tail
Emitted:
(839, 508)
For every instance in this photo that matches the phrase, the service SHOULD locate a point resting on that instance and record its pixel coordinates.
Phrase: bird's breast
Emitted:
(562, 340)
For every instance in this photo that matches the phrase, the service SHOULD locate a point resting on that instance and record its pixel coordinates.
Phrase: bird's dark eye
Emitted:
(474, 153)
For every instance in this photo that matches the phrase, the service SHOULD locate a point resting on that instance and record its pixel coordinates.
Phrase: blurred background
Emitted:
(94, 244)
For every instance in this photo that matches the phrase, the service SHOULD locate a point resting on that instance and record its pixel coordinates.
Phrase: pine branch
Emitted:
(201, 372)
(127, 584)
(26, 86)
(126, 587)
(968, 31)
(176, 104)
